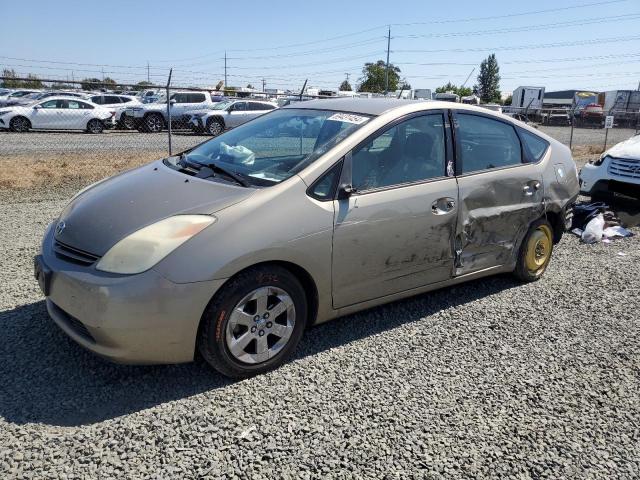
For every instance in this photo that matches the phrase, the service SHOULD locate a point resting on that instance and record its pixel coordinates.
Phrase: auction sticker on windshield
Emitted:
(348, 118)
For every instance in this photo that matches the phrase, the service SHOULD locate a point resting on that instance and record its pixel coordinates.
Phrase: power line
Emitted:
(530, 46)
(528, 28)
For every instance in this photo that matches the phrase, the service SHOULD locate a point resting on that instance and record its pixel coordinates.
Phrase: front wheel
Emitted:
(154, 123)
(215, 127)
(254, 323)
(535, 251)
(95, 126)
(19, 124)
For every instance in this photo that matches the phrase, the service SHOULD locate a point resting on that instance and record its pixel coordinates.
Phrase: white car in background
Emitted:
(15, 95)
(57, 113)
(616, 171)
(227, 114)
(119, 104)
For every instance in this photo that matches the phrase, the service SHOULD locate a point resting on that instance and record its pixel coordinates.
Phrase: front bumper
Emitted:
(133, 319)
(597, 179)
(195, 123)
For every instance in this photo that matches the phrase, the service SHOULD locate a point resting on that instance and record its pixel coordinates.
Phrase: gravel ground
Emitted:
(63, 142)
(488, 379)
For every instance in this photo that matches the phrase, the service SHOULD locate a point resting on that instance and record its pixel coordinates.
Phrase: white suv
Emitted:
(153, 117)
(119, 104)
(617, 170)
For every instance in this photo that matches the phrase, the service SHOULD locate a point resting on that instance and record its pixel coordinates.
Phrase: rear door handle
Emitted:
(443, 206)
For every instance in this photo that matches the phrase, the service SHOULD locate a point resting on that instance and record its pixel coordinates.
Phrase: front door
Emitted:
(47, 115)
(500, 194)
(237, 114)
(395, 233)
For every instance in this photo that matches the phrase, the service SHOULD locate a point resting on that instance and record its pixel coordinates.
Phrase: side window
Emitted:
(125, 99)
(239, 106)
(72, 104)
(50, 104)
(411, 151)
(110, 100)
(180, 97)
(196, 97)
(325, 187)
(253, 106)
(98, 100)
(85, 106)
(534, 146)
(486, 143)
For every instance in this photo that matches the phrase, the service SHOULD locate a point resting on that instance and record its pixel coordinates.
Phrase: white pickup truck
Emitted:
(154, 117)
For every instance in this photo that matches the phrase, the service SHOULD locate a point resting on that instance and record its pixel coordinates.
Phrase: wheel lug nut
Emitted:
(266, 315)
(256, 318)
(253, 329)
(261, 333)
(269, 324)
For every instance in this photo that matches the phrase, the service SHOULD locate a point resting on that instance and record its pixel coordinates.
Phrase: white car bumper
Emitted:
(613, 174)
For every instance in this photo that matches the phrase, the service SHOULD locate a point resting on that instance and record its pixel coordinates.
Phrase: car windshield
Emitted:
(277, 145)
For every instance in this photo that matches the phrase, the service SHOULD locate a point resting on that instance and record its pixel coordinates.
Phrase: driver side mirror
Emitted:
(37, 107)
(172, 101)
(345, 191)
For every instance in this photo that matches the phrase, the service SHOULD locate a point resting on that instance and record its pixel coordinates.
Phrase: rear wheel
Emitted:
(154, 123)
(95, 126)
(127, 122)
(535, 252)
(214, 127)
(254, 323)
(20, 124)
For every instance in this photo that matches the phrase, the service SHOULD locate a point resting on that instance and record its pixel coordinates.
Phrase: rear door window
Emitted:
(534, 146)
(485, 143)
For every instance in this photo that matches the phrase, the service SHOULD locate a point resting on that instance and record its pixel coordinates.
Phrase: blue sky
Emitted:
(287, 41)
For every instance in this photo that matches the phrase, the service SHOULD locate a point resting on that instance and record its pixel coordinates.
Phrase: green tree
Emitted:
(373, 75)
(488, 86)
(94, 83)
(12, 80)
(142, 85)
(345, 86)
(404, 85)
(450, 87)
(508, 100)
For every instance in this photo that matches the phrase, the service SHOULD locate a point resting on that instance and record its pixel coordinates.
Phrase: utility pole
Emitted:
(264, 82)
(148, 75)
(386, 72)
(225, 69)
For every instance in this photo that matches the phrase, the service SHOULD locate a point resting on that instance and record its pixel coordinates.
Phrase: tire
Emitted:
(127, 122)
(215, 127)
(19, 124)
(240, 313)
(95, 126)
(153, 123)
(535, 252)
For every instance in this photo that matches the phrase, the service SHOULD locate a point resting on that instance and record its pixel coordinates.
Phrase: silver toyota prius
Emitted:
(320, 209)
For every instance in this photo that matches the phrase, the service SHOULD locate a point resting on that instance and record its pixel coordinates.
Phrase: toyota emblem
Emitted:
(60, 227)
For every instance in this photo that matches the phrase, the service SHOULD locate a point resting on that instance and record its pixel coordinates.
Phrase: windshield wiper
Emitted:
(235, 176)
(207, 170)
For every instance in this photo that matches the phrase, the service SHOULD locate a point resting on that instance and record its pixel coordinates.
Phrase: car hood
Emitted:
(629, 149)
(102, 215)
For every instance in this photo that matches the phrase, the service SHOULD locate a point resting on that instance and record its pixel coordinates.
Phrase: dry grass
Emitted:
(587, 150)
(55, 170)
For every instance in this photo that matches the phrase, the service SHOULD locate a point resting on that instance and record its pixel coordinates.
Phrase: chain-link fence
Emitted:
(73, 135)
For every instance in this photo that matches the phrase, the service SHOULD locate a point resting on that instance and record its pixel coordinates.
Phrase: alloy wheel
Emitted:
(260, 325)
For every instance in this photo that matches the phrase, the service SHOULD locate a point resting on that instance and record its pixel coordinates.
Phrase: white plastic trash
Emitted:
(593, 231)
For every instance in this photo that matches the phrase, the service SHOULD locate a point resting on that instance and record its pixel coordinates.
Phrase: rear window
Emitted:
(534, 146)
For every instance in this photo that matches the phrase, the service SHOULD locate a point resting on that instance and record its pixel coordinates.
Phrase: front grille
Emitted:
(625, 168)
(73, 255)
(73, 323)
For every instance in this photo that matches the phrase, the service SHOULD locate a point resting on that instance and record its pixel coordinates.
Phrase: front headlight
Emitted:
(2, 112)
(143, 249)
(599, 161)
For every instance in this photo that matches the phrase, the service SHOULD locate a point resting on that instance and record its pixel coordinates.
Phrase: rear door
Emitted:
(500, 191)
(395, 233)
(75, 116)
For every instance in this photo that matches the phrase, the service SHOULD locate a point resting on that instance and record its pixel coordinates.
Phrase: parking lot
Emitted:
(490, 378)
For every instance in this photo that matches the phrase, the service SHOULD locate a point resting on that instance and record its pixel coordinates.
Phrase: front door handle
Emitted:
(443, 206)
(531, 188)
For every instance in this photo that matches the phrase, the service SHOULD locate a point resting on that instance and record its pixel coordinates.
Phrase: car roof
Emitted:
(366, 106)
